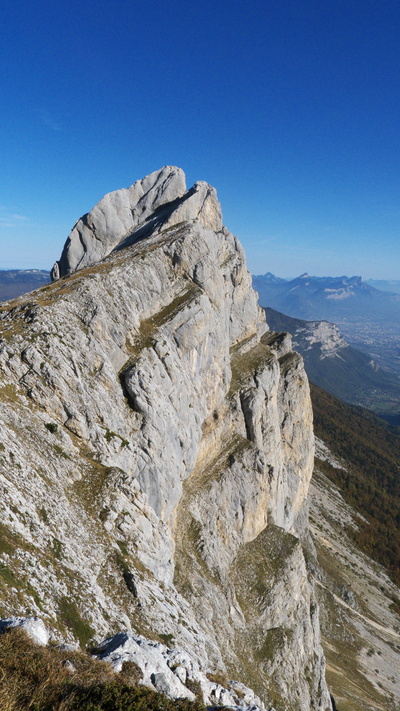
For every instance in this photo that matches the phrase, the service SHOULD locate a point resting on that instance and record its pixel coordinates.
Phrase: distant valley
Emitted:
(368, 318)
(14, 282)
(332, 364)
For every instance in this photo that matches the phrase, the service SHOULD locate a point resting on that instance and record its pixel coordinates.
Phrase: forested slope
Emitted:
(370, 477)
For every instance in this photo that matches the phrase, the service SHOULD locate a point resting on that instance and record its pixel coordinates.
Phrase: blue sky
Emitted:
(290, 109)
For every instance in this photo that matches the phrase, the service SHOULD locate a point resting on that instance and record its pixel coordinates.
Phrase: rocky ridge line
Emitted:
(157, 447)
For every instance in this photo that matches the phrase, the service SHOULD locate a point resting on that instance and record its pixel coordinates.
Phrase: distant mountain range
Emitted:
(332, 364)
(392, 285)
(327, 298)
(14, 282)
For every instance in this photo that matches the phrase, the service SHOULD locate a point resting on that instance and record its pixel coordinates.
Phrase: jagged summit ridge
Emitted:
(158, 201)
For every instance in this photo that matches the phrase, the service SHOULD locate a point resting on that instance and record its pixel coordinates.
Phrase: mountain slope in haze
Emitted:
(359, 608)
(156, 449)
(14, 282)
(391, 285)
(368, 318)
(370, 481)
(328, 298)
(339, 368)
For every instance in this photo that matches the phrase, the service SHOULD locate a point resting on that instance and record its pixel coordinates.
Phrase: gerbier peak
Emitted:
(124, 216)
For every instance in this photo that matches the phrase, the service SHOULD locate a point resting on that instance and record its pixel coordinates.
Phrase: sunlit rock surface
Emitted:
(157, 447)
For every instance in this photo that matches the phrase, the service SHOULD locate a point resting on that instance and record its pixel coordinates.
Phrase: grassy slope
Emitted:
(371, 481)
(50, 679)
(359, 607)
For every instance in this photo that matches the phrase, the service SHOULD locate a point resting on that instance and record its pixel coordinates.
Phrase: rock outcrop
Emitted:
(157, 447)
(33, 626)
(172, 671)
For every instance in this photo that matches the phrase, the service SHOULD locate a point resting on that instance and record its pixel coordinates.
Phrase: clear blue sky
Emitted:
(290, 108)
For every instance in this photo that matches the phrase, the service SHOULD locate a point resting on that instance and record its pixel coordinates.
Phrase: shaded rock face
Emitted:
(167, 446)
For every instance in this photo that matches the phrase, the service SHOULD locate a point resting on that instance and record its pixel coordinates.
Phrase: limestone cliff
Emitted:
(157, 447)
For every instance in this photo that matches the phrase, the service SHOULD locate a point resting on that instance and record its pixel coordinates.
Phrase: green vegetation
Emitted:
(195, 688)
(219, 677)
(168, 639)
(109, 435)
(9, 393)
(52, 427)
(88, 490)
(69, 614)
(257, 573)
(45, 682)
(10, 541)
(61, 452)
(121, 561)
(246, 364)
(148, 327)
(371, 482)
(8, 576)
(57, 548)
(273, 642)
(43, 515)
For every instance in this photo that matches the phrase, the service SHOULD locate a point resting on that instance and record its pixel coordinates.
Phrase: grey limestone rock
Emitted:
(33, 626)
(124, 216)
(167, 434)
(169, 669)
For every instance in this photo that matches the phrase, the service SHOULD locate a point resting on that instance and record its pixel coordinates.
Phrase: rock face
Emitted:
(169, 670)
(157, 447)
(124, 216)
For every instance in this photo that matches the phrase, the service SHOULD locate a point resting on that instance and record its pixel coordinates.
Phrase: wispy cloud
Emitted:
(48, 120)
(11, 219)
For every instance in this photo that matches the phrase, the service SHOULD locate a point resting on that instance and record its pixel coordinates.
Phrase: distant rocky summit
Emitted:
(334, 299)
(156, 451)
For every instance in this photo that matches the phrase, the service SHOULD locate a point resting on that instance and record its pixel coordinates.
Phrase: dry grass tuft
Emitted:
(34, 678)
(37, 678)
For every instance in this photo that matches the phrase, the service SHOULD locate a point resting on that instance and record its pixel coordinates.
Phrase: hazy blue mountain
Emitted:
(14, 282)
(392, 285)
(333, 364)
(269, 277)
(328, 298)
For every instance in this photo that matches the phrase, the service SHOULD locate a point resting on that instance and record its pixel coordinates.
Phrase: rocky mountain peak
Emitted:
(156, 448)
(157, 201)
